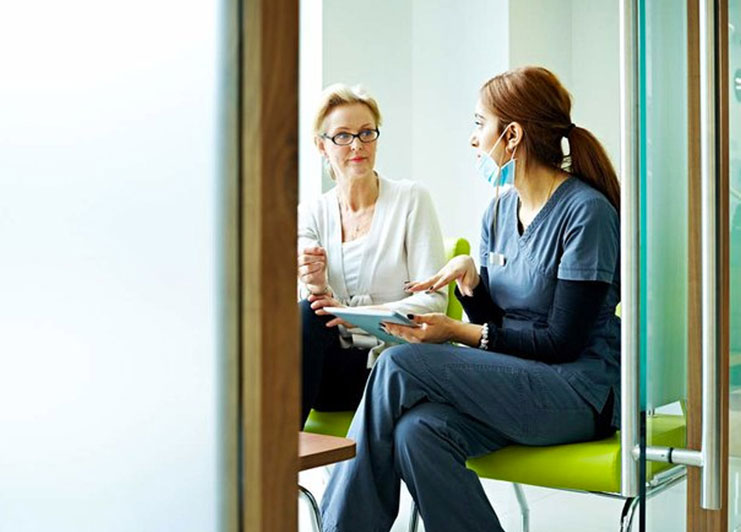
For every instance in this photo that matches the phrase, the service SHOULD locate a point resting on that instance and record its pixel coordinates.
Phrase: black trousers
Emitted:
(333, 379)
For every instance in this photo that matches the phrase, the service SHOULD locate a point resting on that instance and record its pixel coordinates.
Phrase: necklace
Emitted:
(355, 224)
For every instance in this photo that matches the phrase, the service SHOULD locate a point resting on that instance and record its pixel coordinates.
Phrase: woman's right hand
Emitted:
(312, 269)
(461, 269)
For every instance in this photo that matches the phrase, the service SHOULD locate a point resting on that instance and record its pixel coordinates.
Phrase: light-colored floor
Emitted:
(550, 510)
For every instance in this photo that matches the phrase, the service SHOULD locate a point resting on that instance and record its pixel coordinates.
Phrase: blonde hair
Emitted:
(342, 94)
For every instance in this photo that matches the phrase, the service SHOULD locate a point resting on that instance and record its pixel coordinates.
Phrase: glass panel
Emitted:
(664, 244)
(664, 203)
(734, 119)
(109, 346)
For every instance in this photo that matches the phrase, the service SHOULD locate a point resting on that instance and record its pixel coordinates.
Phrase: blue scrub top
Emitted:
(575, 237)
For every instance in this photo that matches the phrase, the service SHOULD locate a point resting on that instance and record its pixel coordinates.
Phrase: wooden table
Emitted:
(315, 450)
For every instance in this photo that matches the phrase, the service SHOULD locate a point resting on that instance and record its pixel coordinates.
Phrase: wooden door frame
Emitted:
(268, 322)
(268, 194)
(699, 520)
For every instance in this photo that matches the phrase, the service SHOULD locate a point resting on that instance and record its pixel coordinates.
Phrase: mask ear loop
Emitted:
(488, 154)
(496, 197)
(512, 158)
(496, 200)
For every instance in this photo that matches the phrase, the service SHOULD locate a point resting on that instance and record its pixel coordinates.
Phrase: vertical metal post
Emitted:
(629, 244)
(711, 472)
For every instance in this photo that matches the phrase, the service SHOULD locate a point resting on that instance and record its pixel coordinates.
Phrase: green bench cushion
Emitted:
(587, 466)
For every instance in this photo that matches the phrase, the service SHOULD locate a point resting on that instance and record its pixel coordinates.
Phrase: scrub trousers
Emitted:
(332, 378)
(429, 407)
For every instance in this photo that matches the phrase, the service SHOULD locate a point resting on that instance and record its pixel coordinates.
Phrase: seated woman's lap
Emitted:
(333, 377)
(528, 402)
(343, 380)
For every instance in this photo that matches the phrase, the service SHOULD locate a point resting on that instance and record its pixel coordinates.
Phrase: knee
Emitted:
(395, 357)
(415, 430)
(397, 372)
(390, 366)
(408, 430)
(310, 322)
(307, 313)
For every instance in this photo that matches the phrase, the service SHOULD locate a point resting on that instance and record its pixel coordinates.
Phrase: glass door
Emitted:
(734, 204)
(116, 392)
(663, 228)
(687, 217)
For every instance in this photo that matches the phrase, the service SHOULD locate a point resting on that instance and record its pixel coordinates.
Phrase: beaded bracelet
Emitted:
(484, 343)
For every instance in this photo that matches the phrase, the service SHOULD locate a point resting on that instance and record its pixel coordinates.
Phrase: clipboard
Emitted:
(370, 319)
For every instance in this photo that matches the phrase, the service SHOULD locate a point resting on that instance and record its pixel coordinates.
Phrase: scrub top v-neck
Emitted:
(574, 237)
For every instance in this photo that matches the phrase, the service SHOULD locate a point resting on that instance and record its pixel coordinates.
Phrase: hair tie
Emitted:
(569, 128)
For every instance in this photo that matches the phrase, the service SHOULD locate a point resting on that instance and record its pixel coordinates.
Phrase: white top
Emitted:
(352, 257)
(404, 243)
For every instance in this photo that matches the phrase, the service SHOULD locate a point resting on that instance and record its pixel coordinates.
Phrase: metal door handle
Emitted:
(710, 446)
(630, 245)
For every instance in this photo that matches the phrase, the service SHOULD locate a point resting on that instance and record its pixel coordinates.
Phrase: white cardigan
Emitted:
(404, 243)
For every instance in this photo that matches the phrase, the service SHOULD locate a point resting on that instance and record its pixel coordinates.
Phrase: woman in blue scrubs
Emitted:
(540, 360)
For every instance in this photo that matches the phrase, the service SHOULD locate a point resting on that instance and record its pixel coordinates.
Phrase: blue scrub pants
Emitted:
(426, 409)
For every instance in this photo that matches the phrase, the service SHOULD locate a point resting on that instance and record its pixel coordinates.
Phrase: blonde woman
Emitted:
(358, 244)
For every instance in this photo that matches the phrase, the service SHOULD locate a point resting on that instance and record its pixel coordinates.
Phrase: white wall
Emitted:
(540, 34)
(578, 41)
(310, 87)
(595, 75)
(456, 47)
(370, 43)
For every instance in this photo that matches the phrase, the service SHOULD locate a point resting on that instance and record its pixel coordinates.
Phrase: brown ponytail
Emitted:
(535, 98)
(589, 162)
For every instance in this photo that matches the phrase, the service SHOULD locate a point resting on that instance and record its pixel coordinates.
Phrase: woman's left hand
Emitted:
(434, 328)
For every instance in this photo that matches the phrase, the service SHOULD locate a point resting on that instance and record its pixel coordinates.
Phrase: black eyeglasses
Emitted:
(366, 136)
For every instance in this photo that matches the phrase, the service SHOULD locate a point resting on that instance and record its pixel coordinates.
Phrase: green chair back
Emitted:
(453, 248)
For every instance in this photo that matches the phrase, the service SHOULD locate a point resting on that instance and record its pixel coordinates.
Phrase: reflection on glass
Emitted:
(664, 204)
(664, 244)
(734, 123)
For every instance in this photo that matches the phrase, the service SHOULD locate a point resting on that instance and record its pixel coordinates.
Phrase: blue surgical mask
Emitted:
(494, 174)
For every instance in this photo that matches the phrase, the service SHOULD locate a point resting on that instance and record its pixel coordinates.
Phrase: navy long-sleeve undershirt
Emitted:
(575, 308)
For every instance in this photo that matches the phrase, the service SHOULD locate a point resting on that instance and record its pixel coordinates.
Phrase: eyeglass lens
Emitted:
(366, 135)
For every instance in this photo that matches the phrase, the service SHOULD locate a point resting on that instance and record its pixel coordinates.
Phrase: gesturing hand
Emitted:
(312, 269)
(460, 269)
(434, 328)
